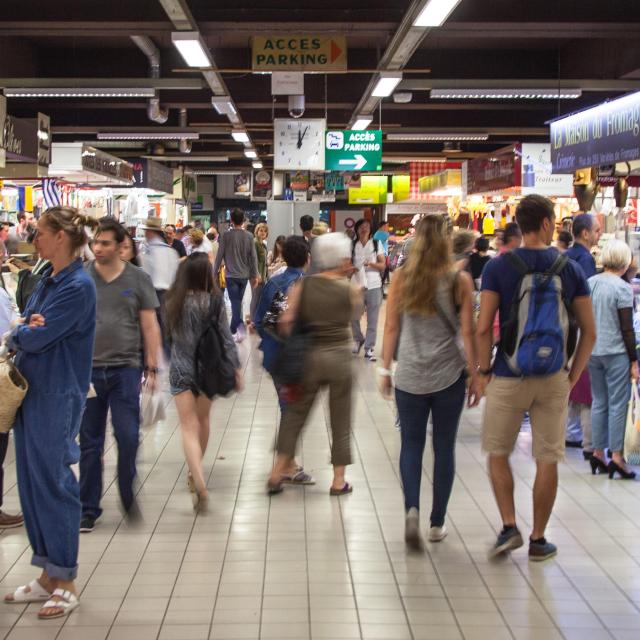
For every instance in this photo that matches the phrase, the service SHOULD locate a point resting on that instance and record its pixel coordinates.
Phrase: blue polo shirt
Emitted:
(583, 257)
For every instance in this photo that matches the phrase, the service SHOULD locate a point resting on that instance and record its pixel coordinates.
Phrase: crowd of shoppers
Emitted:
(174, 301)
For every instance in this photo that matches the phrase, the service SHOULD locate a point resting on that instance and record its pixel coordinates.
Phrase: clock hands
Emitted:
(302, 135)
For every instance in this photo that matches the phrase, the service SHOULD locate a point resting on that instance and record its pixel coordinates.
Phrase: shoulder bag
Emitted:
(13, 389)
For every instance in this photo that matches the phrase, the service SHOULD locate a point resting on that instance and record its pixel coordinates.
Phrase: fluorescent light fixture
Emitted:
(73, 92)
(250, 153)
(505, 94)
(438, 137)
(435, 13)
(257, 164)
(190, 157)
(240, 135)
(192, 48)
(160, 135)
(387, 82)
(223, 105)
(362, 122)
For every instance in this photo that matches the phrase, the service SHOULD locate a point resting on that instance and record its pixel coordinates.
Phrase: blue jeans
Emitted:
(235, 289)
(446, 407)
(118, 389)
(611, 390)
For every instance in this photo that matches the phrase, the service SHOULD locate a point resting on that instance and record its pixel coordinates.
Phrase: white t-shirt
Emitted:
(368, 278)
(7, 312)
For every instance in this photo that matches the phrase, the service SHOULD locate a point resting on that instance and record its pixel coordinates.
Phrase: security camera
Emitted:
(296, 106)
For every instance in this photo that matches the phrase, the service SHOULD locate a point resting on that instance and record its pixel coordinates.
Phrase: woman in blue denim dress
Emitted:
(54, 345)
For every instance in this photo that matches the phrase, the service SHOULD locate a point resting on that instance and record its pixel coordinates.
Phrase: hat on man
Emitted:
(152, 224)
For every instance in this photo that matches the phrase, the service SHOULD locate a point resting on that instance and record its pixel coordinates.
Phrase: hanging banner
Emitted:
(152, 175)
(604, 135)
(3, 118)
(242, 184)
(536, 172)
(262, 185)
(353, 150)
(495, 171)
(311, 53)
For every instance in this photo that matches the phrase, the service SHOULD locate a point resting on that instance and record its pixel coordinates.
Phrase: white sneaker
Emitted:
(412, 536)
(370, 355)
(436, 534)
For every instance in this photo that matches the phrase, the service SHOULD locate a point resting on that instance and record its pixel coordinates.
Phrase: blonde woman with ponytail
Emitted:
(54, 346)
(432, 303)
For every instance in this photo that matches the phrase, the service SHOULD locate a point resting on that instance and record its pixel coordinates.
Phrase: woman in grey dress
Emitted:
(188, 305)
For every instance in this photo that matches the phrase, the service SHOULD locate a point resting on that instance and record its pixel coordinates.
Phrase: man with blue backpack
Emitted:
(543, 299)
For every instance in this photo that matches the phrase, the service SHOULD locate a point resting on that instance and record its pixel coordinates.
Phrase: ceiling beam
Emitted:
(425, 84)
(176, 84)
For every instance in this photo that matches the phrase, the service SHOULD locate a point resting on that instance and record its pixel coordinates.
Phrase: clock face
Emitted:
(299, 144)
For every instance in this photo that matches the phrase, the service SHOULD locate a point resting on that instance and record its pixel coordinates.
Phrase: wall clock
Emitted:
(299, 144)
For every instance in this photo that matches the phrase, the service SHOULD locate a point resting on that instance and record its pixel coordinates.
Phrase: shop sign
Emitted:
(354, 150)
(334, 181)
(105, 164)
(372, 191)
(262, 185)
(311, 53)
(603, 135)
(536, 173)
(494, 172)
(44, 141)
(3, 117)
(152, 175)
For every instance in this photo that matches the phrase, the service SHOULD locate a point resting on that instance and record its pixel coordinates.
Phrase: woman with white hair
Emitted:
(613, 360)
(323, 305)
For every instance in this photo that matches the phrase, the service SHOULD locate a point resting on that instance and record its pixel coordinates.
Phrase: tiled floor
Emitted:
(304, 565)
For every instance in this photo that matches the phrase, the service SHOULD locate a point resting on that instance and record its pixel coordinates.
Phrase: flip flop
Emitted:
(299, 477)
(68, 602)
(341, 492)
(36, 593)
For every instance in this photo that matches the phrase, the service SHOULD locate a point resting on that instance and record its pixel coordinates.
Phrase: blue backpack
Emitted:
(540, 334)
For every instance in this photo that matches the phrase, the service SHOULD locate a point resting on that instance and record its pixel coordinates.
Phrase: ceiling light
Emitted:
(250, 153)
(362, 122)
(223, 105)
(240, 136)
(160, 135)
(435, 13)
(189, 157)
(192, 48)
(257, 164)
(386, 84)
(438, 137)
(505, 94)
(72, 92)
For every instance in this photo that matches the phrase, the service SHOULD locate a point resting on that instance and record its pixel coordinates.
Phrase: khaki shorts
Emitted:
(545, 398)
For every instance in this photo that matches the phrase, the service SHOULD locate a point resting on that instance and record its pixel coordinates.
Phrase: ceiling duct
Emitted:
(154, 111)
(184, 145)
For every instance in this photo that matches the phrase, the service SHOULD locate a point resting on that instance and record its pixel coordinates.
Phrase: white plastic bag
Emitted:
(151, 406)
(632, 430)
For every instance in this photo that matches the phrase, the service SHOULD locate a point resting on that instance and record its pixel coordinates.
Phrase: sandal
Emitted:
(67, 603)
(274, 488)
(36, 593)
(191, 483)
(341, 492)
(299, 477)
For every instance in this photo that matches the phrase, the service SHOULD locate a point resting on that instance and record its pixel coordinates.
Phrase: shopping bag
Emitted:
(632, 431)
(151, 406)
(13, 389)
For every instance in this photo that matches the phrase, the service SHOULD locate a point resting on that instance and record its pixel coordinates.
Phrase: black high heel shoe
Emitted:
(615, 468)
(597, 465)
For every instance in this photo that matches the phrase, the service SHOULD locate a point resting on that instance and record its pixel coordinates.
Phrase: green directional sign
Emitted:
(353, 150)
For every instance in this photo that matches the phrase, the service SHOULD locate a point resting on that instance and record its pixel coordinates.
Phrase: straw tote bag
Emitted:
(13, 388)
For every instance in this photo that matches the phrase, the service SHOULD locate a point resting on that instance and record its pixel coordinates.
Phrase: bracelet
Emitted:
(386, 373)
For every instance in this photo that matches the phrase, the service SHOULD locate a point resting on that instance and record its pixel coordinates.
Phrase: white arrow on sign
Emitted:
(358, 162)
